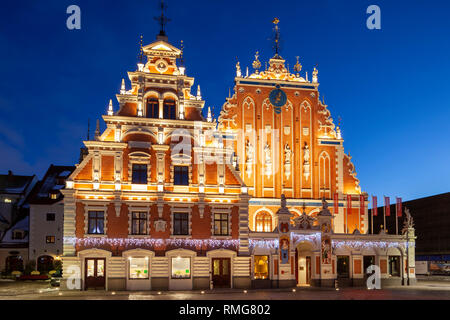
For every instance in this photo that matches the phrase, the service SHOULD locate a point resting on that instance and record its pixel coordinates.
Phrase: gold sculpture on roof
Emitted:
(256, 64)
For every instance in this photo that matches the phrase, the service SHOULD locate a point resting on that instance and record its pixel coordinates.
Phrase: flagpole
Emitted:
(372, 215)
(384, 214)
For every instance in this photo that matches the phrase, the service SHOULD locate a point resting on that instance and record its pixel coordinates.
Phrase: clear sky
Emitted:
(390, 87)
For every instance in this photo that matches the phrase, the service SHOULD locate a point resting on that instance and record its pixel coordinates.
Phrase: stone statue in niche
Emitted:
(306, 165)
(160, 225)
(287, 160)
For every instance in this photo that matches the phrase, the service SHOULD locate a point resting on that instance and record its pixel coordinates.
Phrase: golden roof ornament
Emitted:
(238, 69)
(315, 73)
(256, 64)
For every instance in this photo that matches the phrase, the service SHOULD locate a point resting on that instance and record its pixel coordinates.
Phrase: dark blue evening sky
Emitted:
(390, 86)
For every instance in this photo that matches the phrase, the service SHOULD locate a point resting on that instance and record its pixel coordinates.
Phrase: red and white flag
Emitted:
(387, 207)
(374, 206)
(399, 207)
(336, 203)
(349, 204)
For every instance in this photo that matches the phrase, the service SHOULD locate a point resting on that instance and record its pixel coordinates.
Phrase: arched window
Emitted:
(263, 222)
(152, 108)
(169, 109)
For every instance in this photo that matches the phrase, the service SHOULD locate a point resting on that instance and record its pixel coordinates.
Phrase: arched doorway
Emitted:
(44, 264)
(14, 262)
(303, 258)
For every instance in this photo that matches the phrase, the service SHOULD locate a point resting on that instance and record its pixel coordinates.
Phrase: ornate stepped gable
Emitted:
(285, 138)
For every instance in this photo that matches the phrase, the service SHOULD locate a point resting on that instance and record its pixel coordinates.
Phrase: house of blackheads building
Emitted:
(263, 197)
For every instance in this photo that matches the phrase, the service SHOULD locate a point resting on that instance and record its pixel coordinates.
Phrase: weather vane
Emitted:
(276, 45)
(162, 19)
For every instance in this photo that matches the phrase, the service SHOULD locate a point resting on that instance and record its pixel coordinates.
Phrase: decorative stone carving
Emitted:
(160, 225)
(238, 70)
(306, 165)
(408, 222)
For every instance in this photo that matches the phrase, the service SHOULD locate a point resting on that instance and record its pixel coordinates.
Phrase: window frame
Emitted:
(141, 173)
(154, 108)
(169, 107)
(184, 179)
(171, 267)
(148, 268)
(139, 219)
(221, 221)
(266, 220)
(96, 219)
(51, 238)
(179, 223)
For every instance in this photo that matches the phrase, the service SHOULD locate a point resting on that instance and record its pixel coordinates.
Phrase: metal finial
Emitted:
(162, 20)
(141, 50)
(276, 39)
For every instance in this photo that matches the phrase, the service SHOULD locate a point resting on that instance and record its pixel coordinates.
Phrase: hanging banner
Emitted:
(374, 206)
(361, 204)
(349, 204)
(399, 207)
(387, 207)
(336, 203)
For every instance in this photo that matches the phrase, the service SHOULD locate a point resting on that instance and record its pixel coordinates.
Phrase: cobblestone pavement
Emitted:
(424, 290)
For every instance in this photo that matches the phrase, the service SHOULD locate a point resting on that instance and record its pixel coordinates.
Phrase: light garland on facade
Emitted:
(314, 237)
(355, 244)
(264, 244)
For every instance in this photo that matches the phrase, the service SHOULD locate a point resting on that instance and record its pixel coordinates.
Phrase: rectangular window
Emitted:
(343, 267)
(50, 217)
(394, 266)
(180, 223)
(138, 268)
(261, 267)
(169, 109)
(181, 268)
(221, 224)
(96, 222)
(50, 239)
(152, 108)
(139, 223)
(139, 174)
(181, 175)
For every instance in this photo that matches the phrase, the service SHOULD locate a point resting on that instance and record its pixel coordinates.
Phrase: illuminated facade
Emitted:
(168, 199)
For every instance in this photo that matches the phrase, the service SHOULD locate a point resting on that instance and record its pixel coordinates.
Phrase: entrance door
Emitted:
(221, 276)
(308, 270)
(95, 273)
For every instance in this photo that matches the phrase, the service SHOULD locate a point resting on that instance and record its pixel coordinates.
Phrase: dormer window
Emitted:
(152, 108)
(169, 109)
(18, 234)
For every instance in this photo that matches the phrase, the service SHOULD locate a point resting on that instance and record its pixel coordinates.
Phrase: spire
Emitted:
(97, 130)
(199, 94)
(276, 38)
(141, 55)
(209, 117)
(110, 108)
(162, 20)
(122, 87)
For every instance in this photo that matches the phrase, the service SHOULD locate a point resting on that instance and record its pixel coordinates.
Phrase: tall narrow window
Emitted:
(139, 223)
(221, 224)
(343, 268)
(169, 109)
(181, 175)
(180, 223)
(263, 222)
(139, 174)
(96, 222)
(152, 108)
(261, 267)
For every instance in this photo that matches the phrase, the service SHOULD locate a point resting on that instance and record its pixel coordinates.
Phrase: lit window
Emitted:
(96, 222)
(181, 175)
(180, 223)
(139, 174)
(263, 222)
(138, 268)
(261, 267)
(139, 223)
(53, 196)
(8, 201)
(181, 268)
(50, 239)
(220, 224)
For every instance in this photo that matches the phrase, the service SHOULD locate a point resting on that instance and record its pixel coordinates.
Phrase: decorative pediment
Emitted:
(161, 48)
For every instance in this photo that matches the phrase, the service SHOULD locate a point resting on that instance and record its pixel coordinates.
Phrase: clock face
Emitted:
(161, 65)
(278, 99)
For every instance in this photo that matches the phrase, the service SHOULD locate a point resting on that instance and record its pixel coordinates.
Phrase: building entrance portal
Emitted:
(221, 276)
(95, 273)
(303, 258)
